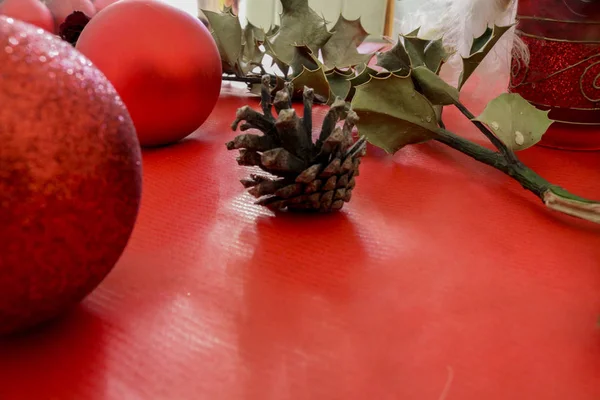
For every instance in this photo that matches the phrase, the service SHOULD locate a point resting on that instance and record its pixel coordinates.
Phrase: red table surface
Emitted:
(442, 279)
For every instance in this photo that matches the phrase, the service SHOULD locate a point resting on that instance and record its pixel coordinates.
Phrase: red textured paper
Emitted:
(442, 279)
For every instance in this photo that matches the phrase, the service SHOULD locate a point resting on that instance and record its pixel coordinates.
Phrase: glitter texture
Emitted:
(563, 73)
(559, 74)
(70, 176)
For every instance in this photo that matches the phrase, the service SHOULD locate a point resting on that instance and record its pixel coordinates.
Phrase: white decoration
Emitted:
(459, 21)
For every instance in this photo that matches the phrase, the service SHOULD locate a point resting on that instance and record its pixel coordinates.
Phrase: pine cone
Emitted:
(71, 28)
(304, 175)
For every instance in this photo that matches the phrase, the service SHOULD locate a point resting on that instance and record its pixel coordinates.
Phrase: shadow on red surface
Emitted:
(57, 360)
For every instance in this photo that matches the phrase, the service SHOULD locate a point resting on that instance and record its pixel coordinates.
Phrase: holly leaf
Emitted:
(515, 121)
(313, 79)
(227, 32)
(393, 114)
(436, 54)
(339, 82)
(438, 113)
(341, 49)
(395, 59)
(300, 25)
(252, 55)
(363, 77)
(434, 88)
(428, 53)
(303, 57)
(258, 33)
(479, 50)
(284, 67)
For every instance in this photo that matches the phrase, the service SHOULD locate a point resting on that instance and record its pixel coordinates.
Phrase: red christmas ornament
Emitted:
(31, 11)
(70, 176)
(61, 9)
(102, 4)
(563, 74)
(163, 62)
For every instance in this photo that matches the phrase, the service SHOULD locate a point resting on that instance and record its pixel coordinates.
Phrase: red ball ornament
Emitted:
(70, 176)
(163, 62)
(61, 9)
(102, 4)
(31, 11)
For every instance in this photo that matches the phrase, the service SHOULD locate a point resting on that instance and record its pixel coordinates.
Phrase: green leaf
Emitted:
(258, 33)
(284, 67)
(393, 114)
(251, 52)
(363, 77)
(437, 91)
(515, 121)
(436, 54)
(341, 49)
(395, 59)
(226, 30)
(427, 53)
(339, 81)
(300, 25)
(438, 113)
(313, 79)
(304, 57)
(412, 51)
(479, 50)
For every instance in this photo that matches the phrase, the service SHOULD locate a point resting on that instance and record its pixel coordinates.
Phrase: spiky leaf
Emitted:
(363, 77)
(341, 49)
(437, 91)
(393, 114)
(339, 81)
(251, 52)
(395, 59)
(314, 79)
(304, 58)
(427, 53)
(479, 50)
(300, 25)
(515, 121)
(227, 33)
(284, 67)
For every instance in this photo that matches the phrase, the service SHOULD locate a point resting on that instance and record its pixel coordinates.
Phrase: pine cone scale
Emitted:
(306, 176)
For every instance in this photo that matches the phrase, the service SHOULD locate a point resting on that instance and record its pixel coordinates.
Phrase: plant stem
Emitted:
(245, 79)
(253, 79)
(504, 150)
(554, 197)
(517, 170)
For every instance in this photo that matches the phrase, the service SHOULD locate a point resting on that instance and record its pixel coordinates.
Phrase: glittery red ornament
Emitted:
(70, 176)
(563, 73)
(163, 62)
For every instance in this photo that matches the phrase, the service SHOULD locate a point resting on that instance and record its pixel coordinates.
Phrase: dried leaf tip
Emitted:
(304, 175)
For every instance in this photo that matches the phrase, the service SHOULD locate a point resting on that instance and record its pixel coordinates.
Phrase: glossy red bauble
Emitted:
(31, 11)
(61, 9)
(163, 62)
(70, 176)
(102, 4)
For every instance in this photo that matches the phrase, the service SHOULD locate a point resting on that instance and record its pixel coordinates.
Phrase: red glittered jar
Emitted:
(563, 72)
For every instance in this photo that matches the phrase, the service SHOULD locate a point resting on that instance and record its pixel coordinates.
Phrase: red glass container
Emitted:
(563, 72)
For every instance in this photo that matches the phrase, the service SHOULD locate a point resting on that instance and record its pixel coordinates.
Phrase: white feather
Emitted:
(458, 22)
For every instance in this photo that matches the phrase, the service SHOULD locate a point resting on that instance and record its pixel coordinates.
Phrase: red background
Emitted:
(442, 279)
